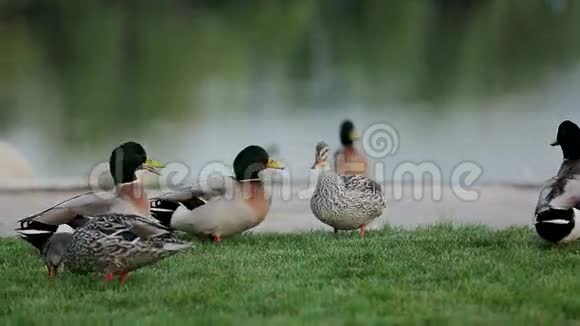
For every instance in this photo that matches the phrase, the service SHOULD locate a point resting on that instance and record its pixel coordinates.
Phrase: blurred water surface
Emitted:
(195, 81)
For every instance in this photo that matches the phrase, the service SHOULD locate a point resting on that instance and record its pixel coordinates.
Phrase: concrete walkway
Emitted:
(498, 206)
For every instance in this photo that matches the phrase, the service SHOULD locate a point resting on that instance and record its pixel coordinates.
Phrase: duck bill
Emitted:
(52, 271)
(153, 166)
(354, 136)
(272, 164)
(319, 165)
(555, 143)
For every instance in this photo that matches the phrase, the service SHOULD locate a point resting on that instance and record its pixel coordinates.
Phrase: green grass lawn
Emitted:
(439, 274)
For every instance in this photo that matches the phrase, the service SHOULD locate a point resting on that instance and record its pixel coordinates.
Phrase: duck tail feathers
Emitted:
(162, 210)
(37, 238)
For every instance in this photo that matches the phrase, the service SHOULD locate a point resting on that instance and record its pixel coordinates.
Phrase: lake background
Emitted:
(195, 81)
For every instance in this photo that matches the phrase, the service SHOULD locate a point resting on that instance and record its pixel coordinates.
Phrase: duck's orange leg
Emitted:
(109, 277)
(123, 277)
(363, 231)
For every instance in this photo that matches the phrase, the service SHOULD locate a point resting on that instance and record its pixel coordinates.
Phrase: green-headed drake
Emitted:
(236, 205)
(348, 160)
(128, 197)
(559, 202)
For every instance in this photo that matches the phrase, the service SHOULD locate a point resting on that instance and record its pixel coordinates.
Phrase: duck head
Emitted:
(569, 139)
(251, 161)
(553, 225)
(321, 157)
(127, 159)
(348, 134)
(54, 251)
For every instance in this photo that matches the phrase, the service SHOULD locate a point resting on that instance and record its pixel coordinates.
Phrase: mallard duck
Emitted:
(236, 205)
(559, 201)
(128, 197)
(348, 160)
(54, 248)
(344, 202)
(112, 244)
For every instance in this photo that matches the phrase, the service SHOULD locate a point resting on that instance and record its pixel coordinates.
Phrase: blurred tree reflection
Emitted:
(99, 67)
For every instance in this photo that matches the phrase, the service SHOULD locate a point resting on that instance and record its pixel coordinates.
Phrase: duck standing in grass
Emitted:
(128, 197)
(55, 245)
(236, 205)
(559, 201)
(344, 202)
(348, 160)
(115, 244)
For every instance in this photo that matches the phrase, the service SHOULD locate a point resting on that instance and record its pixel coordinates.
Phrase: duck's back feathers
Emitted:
(361, 183)
(563, 190)
(569, 169)
(200, 193)
(559, 193)
(370, 190)
(568, 195)
(120, 243)
(75, 212)
(113, 224)
(163, 206)
(557, 209)
(89, 203)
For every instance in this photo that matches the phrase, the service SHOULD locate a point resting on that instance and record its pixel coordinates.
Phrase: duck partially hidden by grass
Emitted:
(348, 160)
(559, 202)
(232, 207)
(344, 202)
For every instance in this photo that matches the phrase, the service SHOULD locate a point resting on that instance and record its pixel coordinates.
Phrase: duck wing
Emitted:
(560, 193)
(361, 183)
(549, 190)
(366, 188)
(121, 243)
(162, 207)
(70, 211)
(128, 227)
(38, 228)
(565, 187)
